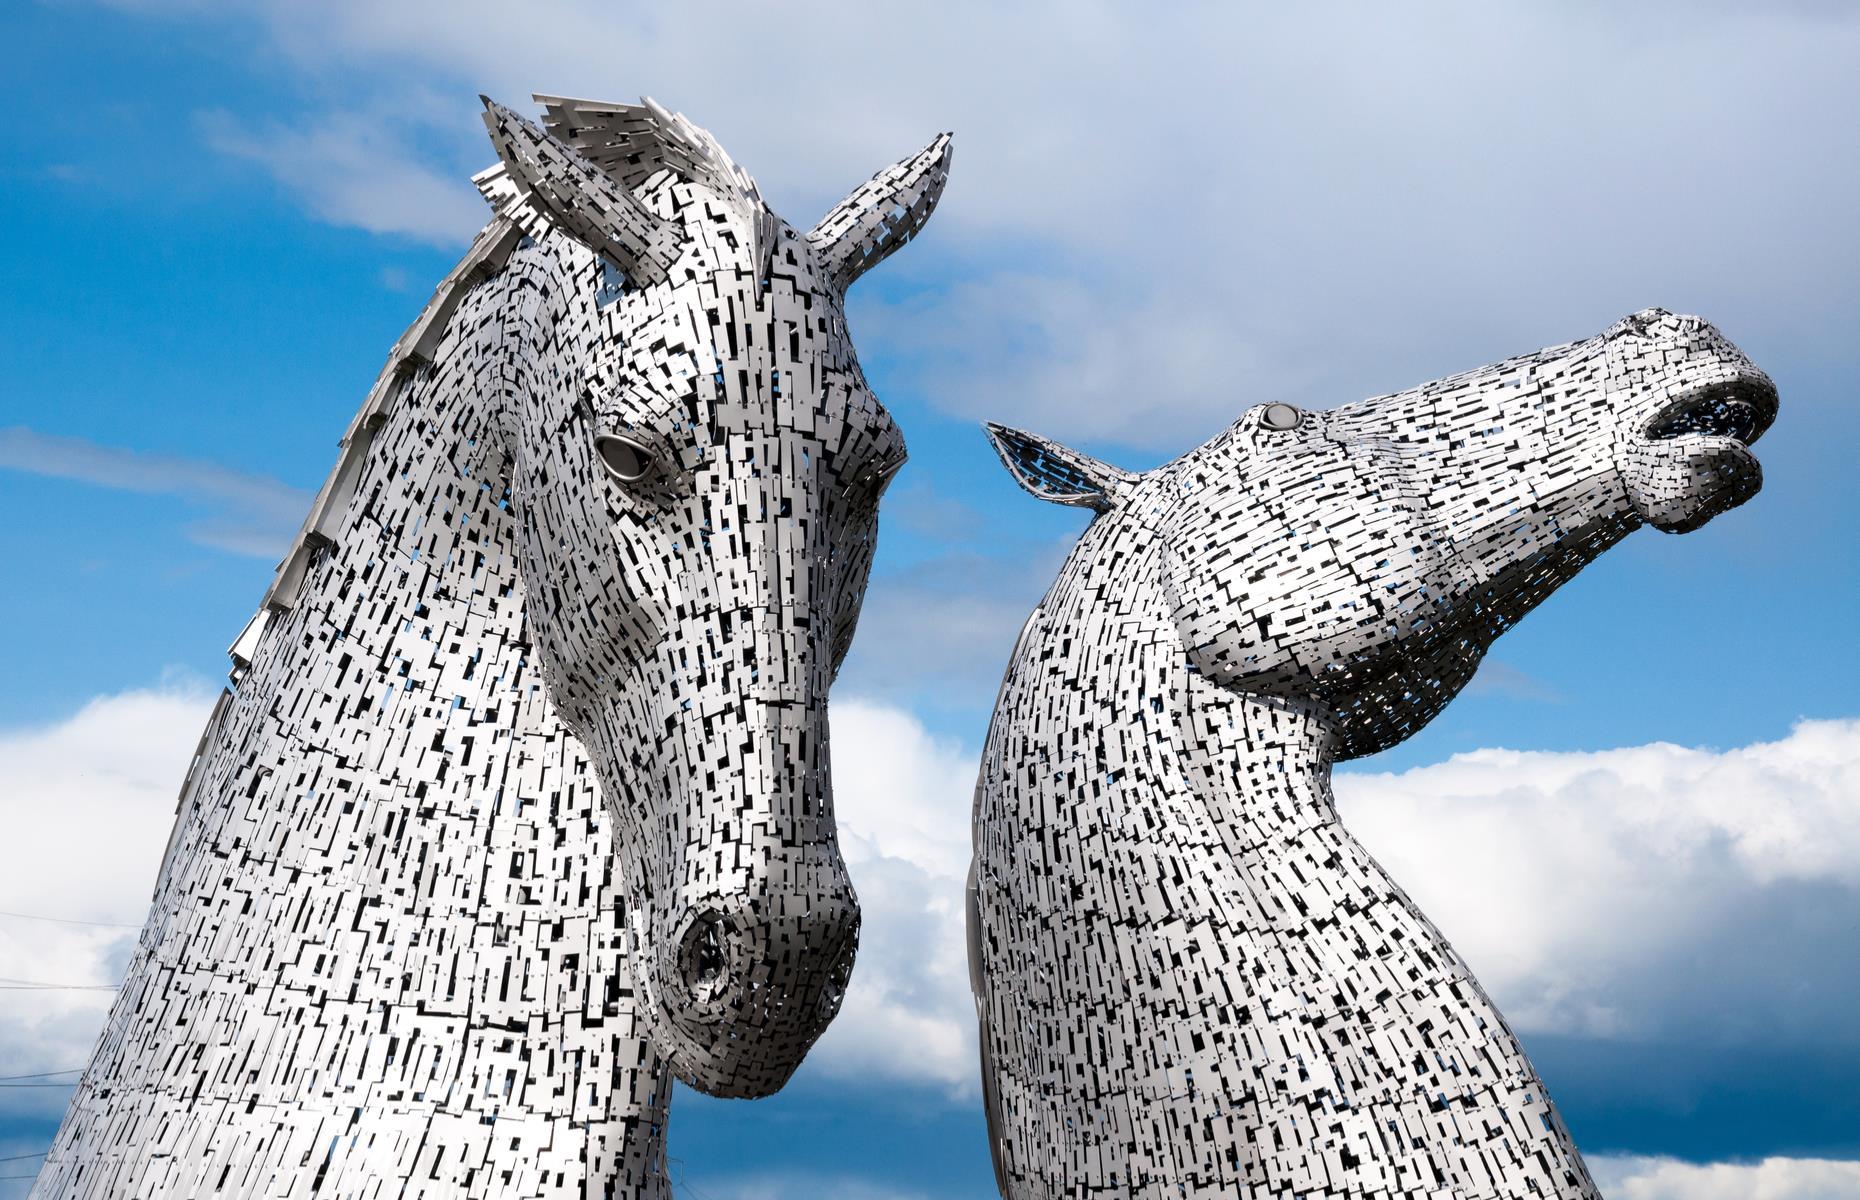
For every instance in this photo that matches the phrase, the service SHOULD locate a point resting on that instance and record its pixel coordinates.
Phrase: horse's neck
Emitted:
(410, 625)
(391, 884)
(393, 734)
(1254, 766)
(1261, 765)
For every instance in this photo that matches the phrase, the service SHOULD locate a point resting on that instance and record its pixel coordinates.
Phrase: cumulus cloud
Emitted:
(1636, 892)
(88, 804)
(1620, 1177)
(247, 514)
(1638, 1178)
(903, 799)
(1620, 893)
(1639, 892)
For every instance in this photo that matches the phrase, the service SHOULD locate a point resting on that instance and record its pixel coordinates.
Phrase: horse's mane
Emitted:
(411, 351)
(630, 143)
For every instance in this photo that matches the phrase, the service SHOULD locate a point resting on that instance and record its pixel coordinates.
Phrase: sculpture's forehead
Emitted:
(784, 324)
(729, 308)
(747, 337)
(711, 357)
(730, 234)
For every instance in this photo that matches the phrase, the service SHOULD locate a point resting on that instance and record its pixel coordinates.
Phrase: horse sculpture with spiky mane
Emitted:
(519, 805)
(1192, 980)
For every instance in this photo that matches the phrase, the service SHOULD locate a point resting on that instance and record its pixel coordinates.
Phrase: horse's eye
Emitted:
(625, 459)
(1641, 324)
(1280, 416)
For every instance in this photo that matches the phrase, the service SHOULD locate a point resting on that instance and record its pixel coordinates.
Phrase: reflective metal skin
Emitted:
(1192, 981)
(521, 801)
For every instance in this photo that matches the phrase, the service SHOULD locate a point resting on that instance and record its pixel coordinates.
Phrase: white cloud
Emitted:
(1636, 1178)
(349, 168)
(1082, 356)
(87, 803)
(1616, 893)
(903, 800)
(1620, 1177)
(792, 1185)
(1651, 891)
(249, 514)
(1636, 892)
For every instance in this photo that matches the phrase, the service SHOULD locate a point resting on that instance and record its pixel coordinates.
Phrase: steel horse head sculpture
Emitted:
(521, 803)
(1191, 979)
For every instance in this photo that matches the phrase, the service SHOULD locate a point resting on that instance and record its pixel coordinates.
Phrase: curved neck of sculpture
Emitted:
(387, 911)
(1167, 913)
(1233, 744)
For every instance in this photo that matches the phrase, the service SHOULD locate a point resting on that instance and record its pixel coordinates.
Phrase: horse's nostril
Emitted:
(709, 954)
(702, 958)
(839, 974)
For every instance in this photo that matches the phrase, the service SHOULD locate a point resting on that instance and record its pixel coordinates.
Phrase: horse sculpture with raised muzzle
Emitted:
(602, 529)
(1192, 980)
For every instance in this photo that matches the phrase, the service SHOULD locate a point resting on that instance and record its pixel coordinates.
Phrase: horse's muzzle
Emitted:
(748, 985)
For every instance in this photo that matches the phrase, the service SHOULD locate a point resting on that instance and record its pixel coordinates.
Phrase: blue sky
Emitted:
(223, 214)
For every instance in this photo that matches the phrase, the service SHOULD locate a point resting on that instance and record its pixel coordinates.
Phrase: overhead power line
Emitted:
(70, 920)
(33, 985)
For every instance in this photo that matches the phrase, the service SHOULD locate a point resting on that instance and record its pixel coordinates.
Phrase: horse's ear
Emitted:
(882, 214)
(572, 193)
(1057, 473)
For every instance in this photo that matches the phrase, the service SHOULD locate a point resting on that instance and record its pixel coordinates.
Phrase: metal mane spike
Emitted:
(633, 142)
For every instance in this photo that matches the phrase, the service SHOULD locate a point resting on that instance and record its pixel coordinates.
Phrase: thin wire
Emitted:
(681, 1184)
(44, 1074)
(19, 1157)
(33, 985)
(69, 920)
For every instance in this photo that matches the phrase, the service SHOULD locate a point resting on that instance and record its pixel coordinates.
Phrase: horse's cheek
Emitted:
(1219, 639)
